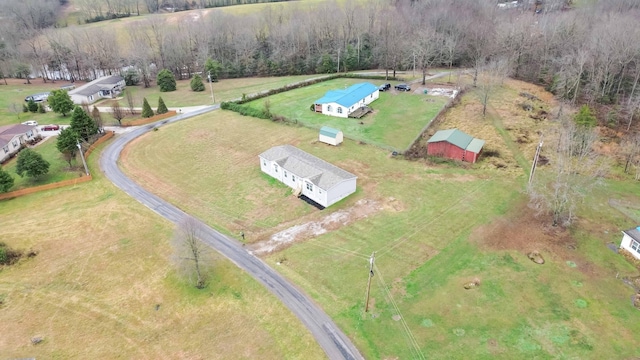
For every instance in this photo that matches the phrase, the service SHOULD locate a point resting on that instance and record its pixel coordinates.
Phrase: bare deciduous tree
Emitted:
(131, 101)
(492, 75)
(576, 170)
(117, 112)
(191, 255)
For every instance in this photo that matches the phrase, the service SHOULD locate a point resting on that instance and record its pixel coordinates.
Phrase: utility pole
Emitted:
(371, 260)
(211, 86)
(535, 160)
(338, 60)
(84, 162)
(414, 65)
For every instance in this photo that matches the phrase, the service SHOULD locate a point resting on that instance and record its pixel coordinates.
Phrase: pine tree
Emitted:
(196, 83)
(60, 102)
(162, 108)
(33, 107)
(146, 109)
(67, 143)
(166, 81)
(6, 181)
(31, 164)
(83, 124)
(585, 118)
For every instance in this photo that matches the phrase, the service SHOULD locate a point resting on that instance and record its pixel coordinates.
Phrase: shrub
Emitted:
(146, 109)
(162, 108)
(41, 109)
(196, 83)
(166, 81)
(32, 106)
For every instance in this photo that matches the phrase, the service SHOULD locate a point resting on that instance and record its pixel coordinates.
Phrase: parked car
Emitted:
(37, 97)
(403, 87)
(30, 122)
(384, 87)
(50, 127)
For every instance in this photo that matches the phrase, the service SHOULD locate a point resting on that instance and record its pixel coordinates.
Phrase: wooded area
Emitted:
(587, 53)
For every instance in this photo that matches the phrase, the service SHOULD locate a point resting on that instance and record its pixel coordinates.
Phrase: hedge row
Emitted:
(245, 110)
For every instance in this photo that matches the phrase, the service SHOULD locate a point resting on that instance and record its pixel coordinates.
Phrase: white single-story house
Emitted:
(631, 241)
(12, 137)
(330, 136)
(341, 103)
(104, 87)
(310, 177)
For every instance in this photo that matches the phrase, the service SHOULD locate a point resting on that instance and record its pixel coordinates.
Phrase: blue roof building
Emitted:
(341, 103)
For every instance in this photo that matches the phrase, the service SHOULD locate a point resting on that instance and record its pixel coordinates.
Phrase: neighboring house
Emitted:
(12, 137)
(311, 178)
(104, 87)
(455, 144)
(631, 241)
(341, 103)
(330, 135)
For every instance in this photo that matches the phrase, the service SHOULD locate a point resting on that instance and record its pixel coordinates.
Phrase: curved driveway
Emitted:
(332, 340)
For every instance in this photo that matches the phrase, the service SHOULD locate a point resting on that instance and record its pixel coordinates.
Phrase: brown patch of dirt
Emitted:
(312, 229)
(522, 231)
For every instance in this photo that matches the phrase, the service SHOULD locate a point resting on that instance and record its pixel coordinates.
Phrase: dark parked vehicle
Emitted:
(384, 87)
(403, 87)
(50, 127)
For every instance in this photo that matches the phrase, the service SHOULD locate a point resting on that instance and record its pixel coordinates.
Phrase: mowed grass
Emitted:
(12, 97)
(397, 120)
(102, 286)
(58, 168)
(223, 90)
(421, 233)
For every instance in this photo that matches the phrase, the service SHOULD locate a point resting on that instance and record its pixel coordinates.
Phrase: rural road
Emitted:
(332, 340)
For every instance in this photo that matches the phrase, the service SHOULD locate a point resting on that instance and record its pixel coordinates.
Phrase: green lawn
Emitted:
(12, 97)
(224, 90)
(58, 168)
(397, 120)
(103, 286)
(422, 236)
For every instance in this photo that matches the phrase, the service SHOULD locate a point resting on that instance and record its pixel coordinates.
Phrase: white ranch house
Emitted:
(341, 103)
(631, 241)
(104, 87)
(309, 176)
(330, 136)
(12, 137)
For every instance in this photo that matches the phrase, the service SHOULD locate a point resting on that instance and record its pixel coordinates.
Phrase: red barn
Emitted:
(455, 144)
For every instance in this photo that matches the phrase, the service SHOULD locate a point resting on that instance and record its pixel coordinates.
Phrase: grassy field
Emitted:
(397, 120)
(224, 90)
(12, 97)
(434, 228)
(102, 287)
(58, 168)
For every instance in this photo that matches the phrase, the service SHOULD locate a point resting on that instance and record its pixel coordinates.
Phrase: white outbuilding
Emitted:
(631, 241)
(311, 178)
(330, 136)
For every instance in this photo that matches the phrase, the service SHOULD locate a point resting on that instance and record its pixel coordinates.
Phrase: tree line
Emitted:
(586, 54)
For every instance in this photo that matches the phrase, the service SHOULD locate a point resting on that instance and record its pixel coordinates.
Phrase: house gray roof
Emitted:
(634, 233)
(103, 83)
(8, 132)
(319, 172)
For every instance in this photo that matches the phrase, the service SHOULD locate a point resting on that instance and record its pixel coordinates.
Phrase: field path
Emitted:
(332, 340)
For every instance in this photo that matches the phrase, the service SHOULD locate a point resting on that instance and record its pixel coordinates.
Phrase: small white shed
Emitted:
(631, 241)
(330, 136)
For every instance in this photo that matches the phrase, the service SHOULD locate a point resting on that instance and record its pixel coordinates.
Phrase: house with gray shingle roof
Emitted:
(310, 177)
(631, 241)
(104, 87)
(13, 137)
(455, 144)
(341, 103)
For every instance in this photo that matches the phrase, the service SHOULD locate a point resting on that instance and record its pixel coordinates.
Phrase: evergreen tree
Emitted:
(41, 108)
(131, 77)
(196, 83)
(162, 108)
(146, 109)
(6, 181)
(33, 107)
(585, 118)
(31, 164)
(166, 81)
(60, 102)
(67, 143)
(213, 68)
(83, 124)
